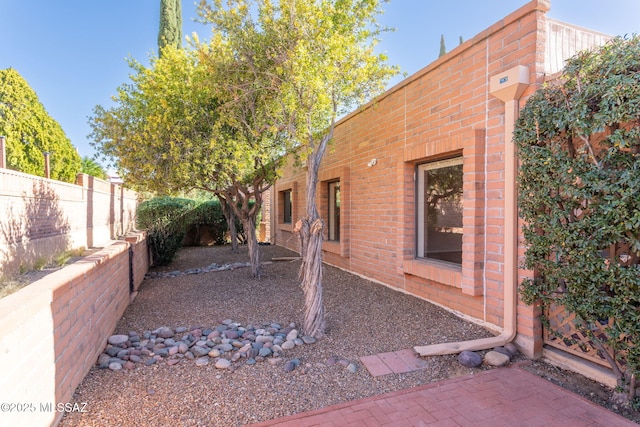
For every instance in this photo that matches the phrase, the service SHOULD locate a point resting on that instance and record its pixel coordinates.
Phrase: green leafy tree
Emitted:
(92, 168)
(170, 32)
(319, 57)
(242, 60)
(172, 129)
(31, 131)
(578, 139)
(273, 80)
(155, 119)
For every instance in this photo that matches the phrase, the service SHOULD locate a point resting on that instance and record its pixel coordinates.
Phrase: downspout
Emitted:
(508, 87)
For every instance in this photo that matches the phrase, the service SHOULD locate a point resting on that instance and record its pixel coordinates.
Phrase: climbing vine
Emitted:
(578, 139)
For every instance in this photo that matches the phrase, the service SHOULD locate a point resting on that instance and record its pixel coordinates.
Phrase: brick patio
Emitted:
(498, 397)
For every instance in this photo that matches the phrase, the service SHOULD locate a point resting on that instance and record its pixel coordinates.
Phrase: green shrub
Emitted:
(578, 139)
(209, 214)
(164, 219)
(164, 246)
(168, 219)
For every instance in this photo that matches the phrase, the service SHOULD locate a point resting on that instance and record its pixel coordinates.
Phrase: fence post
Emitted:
(3, 152)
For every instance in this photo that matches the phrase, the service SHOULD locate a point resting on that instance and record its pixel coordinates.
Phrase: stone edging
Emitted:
(208, 269)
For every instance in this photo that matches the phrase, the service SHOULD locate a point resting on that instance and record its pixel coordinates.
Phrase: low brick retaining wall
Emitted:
(52, 331)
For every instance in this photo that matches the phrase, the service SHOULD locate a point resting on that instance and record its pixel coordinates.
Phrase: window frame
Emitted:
(333, 220)
(287, 206)
(420, 169)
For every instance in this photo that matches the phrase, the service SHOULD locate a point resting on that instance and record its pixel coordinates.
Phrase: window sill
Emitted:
(437, 271)
(285, 227)
(332, 246)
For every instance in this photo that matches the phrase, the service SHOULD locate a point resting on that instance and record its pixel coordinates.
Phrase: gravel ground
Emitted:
(363, 318)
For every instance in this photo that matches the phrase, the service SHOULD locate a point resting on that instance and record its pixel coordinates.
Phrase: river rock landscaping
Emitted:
(223, 345)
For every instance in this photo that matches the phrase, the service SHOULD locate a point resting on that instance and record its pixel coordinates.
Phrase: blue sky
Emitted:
(72, 52)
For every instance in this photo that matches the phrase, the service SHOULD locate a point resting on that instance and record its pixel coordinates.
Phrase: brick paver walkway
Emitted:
(393, 362)
(498, 397)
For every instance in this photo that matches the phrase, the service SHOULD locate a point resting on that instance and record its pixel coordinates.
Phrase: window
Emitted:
(334, 210)
(440, 210)
(286, 207)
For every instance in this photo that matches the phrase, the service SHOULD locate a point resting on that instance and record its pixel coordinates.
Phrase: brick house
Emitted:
(418, 188)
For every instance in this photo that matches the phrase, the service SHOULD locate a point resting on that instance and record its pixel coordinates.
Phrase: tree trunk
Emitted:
(311, 274)
(233, 232)
(310, 232)
(249, 224)
(238, 199)
(231, 223)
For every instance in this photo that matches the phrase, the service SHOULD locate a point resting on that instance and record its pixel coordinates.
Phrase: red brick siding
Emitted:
(445, 109)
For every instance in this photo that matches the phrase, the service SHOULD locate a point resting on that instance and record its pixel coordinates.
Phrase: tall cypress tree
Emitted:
(443, 49)
(170, 33)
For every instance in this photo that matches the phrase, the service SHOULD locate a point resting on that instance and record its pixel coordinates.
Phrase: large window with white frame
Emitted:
(439, 210)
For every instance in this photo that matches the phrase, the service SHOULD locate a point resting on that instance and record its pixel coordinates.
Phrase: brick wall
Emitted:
(443, 110)
(52, 331)
(40, 218)
(265, 233)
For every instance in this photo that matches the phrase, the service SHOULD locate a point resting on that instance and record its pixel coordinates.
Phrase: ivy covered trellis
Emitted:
(578, 141)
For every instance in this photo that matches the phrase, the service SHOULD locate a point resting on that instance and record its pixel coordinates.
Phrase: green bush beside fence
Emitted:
(168, 220)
